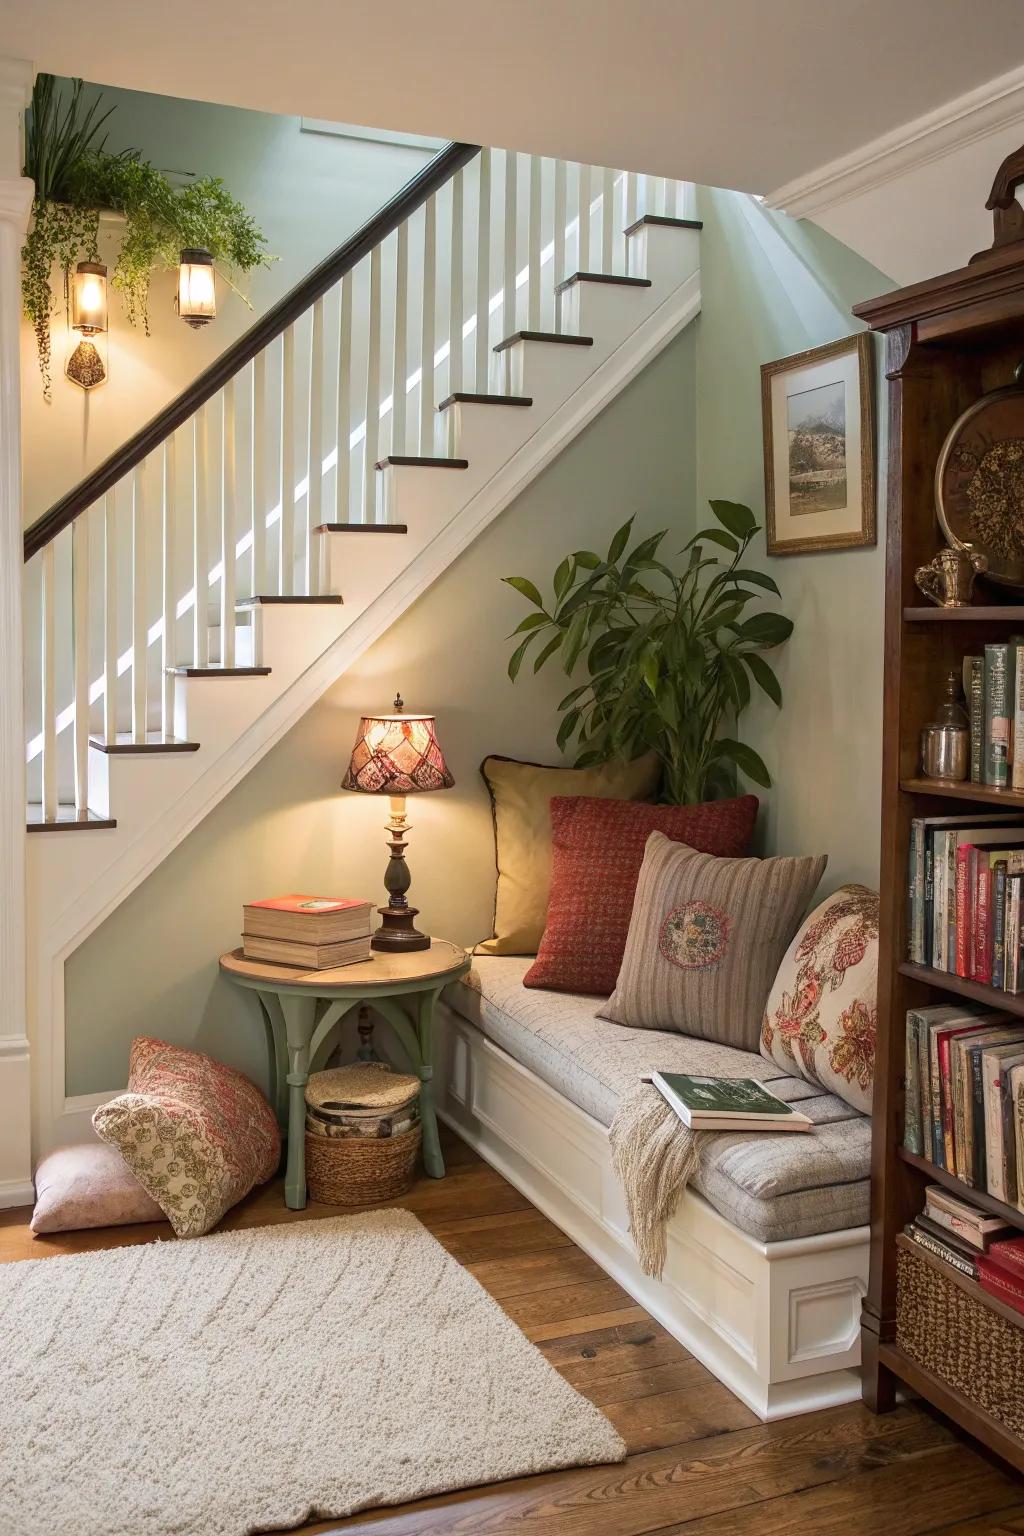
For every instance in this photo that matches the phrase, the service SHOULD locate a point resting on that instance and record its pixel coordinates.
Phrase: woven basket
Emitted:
(360, 1170)
(960, 1339)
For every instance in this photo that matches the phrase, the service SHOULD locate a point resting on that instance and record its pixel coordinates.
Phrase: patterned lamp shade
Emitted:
(397, 754)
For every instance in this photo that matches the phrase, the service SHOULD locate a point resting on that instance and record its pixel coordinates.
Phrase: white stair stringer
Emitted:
(77, 878)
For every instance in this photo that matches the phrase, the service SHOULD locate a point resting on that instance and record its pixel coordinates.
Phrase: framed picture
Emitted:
(819, 448)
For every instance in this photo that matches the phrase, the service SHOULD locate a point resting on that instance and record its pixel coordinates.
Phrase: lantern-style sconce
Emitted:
(86, 367)
(197, 294)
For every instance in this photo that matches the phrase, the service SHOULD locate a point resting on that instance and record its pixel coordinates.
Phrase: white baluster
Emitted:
(483, 276)
(455, 291)
(259, 475)
(558, 262)
(631, 198)
(315, 454)
(47, 676)
(401, 362)
(607, 220)
(583, 227)
(287, 563)
(227, 526)
(662, 197)
(508, 287)
(109, 618)
(200, 540)
(533, 258)
(140, 651)
(426, 436)
(650, 183)
(80, 579)
(343, 476)
(168, 639)
(371, 443)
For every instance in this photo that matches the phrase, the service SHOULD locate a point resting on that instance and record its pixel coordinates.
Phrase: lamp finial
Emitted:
(399, 704)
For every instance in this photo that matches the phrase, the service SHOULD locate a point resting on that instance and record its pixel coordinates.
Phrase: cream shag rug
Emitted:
(254, 1380)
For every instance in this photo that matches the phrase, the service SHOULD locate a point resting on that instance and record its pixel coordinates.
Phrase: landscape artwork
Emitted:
(819, 449)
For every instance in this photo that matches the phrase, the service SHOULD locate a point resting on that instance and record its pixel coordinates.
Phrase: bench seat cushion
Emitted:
(772, 1187)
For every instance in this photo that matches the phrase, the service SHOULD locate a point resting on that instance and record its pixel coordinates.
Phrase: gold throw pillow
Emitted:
(521, 795)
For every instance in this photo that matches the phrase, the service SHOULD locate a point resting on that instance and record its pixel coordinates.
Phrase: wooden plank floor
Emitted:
(699, 1462)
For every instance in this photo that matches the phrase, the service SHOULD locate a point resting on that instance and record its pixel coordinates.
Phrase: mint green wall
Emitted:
(151, 967)
(771, 287)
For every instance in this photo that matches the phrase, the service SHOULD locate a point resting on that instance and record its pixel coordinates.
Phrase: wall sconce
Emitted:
(85, 367)
(197, 294)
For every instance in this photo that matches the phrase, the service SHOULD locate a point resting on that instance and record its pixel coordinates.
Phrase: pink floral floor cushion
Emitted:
(822, 1012)
(196, 1134)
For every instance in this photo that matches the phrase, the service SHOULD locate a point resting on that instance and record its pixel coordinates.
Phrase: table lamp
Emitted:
(397, 755)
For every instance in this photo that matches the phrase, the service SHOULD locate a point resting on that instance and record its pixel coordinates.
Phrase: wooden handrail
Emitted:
(269, 326)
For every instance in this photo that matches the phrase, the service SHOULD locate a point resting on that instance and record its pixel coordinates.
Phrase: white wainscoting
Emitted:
(778, 1323)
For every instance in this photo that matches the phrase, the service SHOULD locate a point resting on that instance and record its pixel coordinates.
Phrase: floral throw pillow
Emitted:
(822, 1013)
(196, 1134)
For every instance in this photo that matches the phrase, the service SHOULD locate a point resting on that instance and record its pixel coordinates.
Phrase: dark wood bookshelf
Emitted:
(962, 1282)
(948, 342)
(981, 1197)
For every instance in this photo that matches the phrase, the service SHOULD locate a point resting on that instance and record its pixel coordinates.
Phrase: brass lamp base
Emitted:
(397, 932)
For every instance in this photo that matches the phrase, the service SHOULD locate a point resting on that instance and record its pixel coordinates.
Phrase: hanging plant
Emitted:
(77, 178)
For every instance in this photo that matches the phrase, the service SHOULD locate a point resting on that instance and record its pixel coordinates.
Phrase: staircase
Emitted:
(189, 601)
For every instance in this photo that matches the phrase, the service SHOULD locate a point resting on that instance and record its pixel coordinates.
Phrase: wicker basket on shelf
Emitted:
(362, 1134)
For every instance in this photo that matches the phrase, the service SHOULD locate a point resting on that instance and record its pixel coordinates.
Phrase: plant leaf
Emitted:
(765, 629)
(736, 517)
(548, 650)
(532, 621)
(515, 661)
(745, 758)
(571, 698)
(563, 578)
(716, 535)
(650, 674)
(620, 540)
(764, 676)
(525, 587)
(587, 559)
(756, 579)
(566, 728)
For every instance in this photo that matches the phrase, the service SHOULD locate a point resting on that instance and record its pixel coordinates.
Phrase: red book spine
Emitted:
(946, 1102)
(999, 1282)
(983, 920)
(963, 856)
(1009, 1256)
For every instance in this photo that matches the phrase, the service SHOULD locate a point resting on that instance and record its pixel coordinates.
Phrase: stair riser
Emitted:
(489, 431)
(545, 371)
(604, 310)
(665, 254)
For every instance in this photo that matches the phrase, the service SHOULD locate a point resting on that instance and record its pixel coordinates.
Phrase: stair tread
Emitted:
(218, 671)
(327, 597)
(68, 819)
(665, 221)
(553, 336)
(603, 277)
(361, 528)
(461, 398)
(125, 743)
(421, 461)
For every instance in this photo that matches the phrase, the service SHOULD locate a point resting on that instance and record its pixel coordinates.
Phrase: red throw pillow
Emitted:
(597, 850)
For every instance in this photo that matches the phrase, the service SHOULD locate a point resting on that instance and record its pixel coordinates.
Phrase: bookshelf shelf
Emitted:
(992, 997)
(948, 789)
(1010, 1214)
(948, 343)
(983, 613)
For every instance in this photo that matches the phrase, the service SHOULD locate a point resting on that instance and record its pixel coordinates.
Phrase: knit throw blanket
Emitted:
(654, 1155)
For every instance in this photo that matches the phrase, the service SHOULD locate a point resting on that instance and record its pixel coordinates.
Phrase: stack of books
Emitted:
(962, 1236)
(994, 686)
(1001, 1272)
(964, 1107)
(314, 932)
(965, 889)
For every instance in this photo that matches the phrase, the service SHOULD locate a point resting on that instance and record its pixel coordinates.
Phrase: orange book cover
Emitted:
(313, 905)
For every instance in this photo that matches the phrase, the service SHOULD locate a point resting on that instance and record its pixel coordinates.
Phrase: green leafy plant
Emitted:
(670, 654)
(77, 178)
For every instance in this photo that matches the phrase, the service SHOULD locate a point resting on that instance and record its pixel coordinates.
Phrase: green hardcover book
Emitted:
(998, 713)
(913, 1139)
(727, 1103)
(974, 687)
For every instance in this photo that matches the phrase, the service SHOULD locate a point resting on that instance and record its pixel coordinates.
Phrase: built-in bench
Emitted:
(768, 1250)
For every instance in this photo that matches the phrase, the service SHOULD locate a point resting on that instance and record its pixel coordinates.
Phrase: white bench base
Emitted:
(778, 1323)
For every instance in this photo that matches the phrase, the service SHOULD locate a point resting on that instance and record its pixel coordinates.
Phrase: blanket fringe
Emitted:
(654, 1156)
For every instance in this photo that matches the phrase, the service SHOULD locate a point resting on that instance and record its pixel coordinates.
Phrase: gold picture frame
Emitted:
(818, 418)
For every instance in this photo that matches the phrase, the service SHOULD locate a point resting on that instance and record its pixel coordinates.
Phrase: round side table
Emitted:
(303, 1011)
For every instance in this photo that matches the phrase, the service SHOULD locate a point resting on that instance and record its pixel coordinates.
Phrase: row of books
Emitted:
(965, 892)
(975, 1244)
(315, 932)
(965, 1096)
(994, 687)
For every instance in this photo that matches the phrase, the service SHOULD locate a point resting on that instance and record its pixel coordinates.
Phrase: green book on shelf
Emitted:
(727, 1104)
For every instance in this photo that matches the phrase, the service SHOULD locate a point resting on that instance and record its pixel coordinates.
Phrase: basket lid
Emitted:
(361, 1086)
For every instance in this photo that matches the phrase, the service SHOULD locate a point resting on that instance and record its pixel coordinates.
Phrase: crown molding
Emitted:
(975, 115)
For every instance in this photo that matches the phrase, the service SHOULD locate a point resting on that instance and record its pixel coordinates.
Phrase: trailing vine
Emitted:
(77, 178)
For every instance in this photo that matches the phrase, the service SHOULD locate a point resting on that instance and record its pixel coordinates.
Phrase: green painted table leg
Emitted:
(415, 1040)
(300, 1021)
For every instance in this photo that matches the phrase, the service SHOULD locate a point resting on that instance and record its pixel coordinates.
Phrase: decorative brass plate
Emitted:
(979, 483)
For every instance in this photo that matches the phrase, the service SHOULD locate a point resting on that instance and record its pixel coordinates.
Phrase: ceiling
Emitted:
(739, 93)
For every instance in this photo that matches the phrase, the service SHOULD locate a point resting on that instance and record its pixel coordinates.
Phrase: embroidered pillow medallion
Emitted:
(705, 940)
(597, 850)
(822, 1015)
